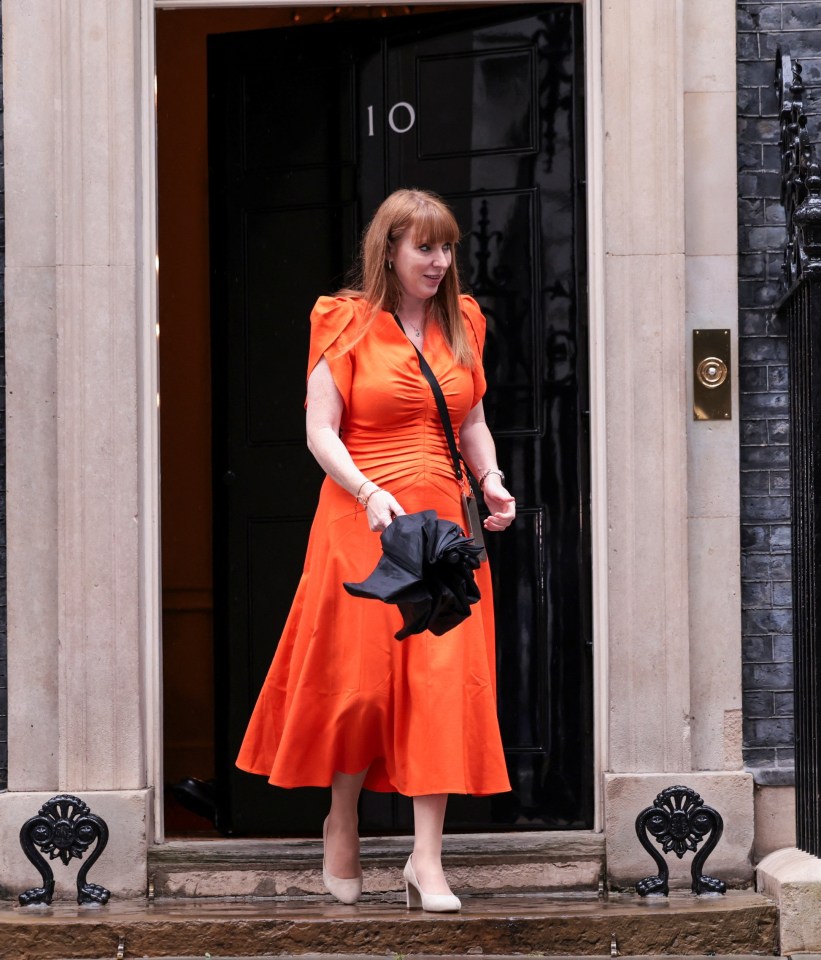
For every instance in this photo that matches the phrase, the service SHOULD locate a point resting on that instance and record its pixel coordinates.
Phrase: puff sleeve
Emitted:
(476, 327)
(333, 329)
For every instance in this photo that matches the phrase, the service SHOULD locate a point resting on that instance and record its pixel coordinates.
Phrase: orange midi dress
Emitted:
(343, 694)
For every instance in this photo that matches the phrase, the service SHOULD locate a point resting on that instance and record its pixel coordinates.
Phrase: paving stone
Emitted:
(543, 862)
(741, 922)
(461, 956)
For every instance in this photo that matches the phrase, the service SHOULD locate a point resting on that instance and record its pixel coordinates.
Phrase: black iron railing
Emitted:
(800, 304)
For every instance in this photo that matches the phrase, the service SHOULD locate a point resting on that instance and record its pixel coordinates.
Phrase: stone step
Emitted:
(461, 956)
(740, 923)
(538, 862)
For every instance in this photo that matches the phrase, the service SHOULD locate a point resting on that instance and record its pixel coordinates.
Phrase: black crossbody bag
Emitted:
(470, 506)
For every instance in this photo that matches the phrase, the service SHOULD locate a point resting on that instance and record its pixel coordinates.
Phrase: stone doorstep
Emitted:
(469, 956)
(740, 923)
(792, 878)
(476, 863)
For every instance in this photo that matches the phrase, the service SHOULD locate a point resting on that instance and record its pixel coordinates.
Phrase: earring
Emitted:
(390, 264)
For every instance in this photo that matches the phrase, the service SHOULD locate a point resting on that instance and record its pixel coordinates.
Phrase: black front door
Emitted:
(310, 128)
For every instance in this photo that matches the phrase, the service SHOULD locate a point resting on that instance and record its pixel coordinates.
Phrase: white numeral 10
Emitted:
(402, 105)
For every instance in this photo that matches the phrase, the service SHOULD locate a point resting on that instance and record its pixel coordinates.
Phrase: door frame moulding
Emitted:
(149, 414)
(151, 607)
(594, 174)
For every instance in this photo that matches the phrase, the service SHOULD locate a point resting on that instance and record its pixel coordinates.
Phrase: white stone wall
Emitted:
(673, 511)
(83, 545)
(76, 660)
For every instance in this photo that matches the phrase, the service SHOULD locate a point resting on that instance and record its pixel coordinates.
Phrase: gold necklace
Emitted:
(416, 330)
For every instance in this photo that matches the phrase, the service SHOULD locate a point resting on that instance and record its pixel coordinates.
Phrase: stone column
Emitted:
(674, 637)
(647, 452)
(76, 718)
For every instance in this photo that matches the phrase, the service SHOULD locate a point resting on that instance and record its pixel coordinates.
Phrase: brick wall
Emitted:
(764, 403)
(4, 726)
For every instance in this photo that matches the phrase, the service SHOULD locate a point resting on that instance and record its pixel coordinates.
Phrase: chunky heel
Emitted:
(414, 898)
(430, 902)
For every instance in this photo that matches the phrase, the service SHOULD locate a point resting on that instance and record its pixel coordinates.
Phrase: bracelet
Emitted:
(358, 496)
(366, 501)
(487, 473)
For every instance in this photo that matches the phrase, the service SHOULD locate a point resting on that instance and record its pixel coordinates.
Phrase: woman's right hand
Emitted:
(382, 509)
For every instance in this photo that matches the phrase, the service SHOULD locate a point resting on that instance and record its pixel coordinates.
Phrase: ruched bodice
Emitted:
(342, 694)
(391, 425)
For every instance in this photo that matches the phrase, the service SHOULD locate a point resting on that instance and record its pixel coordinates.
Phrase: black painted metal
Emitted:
(801, 306)
(679, 820)
(800, 181)
(508, 155)
(65, 828)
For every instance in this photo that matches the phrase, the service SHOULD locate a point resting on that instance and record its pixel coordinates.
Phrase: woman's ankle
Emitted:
(427, 866)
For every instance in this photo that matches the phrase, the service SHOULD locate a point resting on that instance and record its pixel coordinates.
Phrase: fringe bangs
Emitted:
(431, 221)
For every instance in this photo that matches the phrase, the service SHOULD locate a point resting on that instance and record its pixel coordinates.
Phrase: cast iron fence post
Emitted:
(800, 304)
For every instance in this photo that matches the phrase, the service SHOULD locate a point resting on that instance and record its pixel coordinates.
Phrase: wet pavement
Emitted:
(450, 956)
(739, 923)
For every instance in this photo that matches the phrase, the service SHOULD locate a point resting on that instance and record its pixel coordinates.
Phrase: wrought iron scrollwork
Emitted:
(64, 828)
(800, 176)
(679, 820)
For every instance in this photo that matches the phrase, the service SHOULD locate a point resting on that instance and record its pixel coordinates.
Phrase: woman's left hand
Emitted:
(500, 503)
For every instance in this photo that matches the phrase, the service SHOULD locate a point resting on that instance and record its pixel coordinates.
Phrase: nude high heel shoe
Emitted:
(431, 902)
(345, 890)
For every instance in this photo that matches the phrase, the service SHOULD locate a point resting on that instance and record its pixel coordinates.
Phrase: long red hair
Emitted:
(431, 221)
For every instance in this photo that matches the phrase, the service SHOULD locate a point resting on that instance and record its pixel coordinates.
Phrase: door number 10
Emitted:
(406, 113)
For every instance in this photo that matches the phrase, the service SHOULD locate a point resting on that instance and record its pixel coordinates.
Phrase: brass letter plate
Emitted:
(712, 383)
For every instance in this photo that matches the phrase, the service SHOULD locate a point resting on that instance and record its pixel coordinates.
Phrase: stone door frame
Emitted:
(593, 135)
(83, 505)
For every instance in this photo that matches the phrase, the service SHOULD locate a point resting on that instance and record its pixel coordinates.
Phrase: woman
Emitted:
(344, 703)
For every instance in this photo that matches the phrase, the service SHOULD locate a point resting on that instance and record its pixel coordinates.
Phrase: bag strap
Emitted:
(441, 405)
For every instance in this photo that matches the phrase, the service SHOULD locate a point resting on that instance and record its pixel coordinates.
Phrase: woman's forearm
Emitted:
(332, 455)
(322, 420)
(479, 451)
(477, 447)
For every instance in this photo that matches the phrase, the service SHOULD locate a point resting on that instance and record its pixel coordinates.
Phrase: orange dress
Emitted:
(342, 693)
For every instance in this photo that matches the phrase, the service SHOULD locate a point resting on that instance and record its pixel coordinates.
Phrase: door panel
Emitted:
(310, 129)
(504, 149)
(282, 154)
